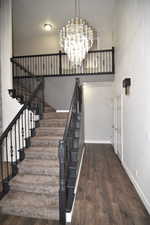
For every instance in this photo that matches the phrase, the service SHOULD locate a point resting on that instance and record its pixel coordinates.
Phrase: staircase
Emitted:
(39, 159)
(34, 190)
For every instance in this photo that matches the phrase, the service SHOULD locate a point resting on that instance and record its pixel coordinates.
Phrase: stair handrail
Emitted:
(20, 112)
(57, 64)
(64, 149)
(75, 95)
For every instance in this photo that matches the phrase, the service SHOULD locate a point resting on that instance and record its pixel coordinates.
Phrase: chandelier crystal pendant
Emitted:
(76, 38)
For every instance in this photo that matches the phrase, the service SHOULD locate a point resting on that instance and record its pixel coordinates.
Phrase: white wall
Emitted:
(44, 44)
(133, 60)
(49, 43)
(59, 90)
(9, 105)
(98, 109)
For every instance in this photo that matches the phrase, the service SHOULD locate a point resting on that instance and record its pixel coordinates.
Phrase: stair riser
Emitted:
(35, 155)
(55, 116)
(44, 143)
(48, 109)
(39, 214)
(39, 171)
(51, 189)
(52, 123)
(49, 132)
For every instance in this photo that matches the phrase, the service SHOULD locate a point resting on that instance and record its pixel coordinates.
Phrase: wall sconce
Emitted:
(126, 85)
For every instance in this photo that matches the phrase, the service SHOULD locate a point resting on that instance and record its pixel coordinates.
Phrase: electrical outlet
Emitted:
(136, 173)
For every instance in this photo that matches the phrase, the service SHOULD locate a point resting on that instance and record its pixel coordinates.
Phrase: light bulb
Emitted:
(47, 27)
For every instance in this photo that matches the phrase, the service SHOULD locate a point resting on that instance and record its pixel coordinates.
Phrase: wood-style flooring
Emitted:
(105, 194)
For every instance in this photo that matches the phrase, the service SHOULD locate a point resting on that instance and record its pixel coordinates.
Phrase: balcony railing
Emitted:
(52, 65)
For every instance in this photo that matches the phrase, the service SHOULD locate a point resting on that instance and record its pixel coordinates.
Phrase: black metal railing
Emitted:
(17, 136)
(49, 65)
(69, 149)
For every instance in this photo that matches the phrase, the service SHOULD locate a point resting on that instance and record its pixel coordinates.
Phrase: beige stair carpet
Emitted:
(34, 190)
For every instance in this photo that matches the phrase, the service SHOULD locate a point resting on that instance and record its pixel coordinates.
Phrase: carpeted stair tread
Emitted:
(30, 205)
(42, 149)
(53, 122)
(49, 153)
(39, 167)
(46, 141)
(55, 115)
(47, 137)
(35, 184)
(35, 162)
(50, 131)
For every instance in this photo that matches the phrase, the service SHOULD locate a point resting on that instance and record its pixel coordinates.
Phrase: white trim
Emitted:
(98, 84)
(98, 142)
(69, 215)
(62, 111)
(137, 187)
(122, 134)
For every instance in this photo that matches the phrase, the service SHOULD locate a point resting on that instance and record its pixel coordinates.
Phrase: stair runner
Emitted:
(34, 190)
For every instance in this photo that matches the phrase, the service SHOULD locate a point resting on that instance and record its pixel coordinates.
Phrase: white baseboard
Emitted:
(138, 188)
(62, 111)
(69, 215)
(98, 142)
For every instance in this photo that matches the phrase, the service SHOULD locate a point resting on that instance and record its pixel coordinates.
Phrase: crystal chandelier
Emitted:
(76, 38)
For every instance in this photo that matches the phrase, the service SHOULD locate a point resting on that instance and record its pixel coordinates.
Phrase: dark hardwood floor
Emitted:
(105, 194)
(16, 220)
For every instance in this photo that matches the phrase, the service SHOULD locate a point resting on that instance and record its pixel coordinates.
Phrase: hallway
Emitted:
(105, 194)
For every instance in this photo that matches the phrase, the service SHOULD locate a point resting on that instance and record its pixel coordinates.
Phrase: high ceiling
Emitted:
(30, 15)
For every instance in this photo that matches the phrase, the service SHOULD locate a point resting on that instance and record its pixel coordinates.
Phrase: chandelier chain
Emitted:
(77, 8)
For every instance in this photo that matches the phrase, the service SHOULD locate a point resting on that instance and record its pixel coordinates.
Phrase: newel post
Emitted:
(60, 62)
(113, 60)
(62, 184)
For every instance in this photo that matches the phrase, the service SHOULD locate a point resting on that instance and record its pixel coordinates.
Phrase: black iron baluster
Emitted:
(15, 140)
(48, 64)
(113, 60)
(11, 150)
(22, 134)
(1, 165)
(19, 133)
(55, 64)
(31, 123)
(7, 162)
(13, 164)
(29, 133)
(100, 54)
(25, 121)
(60, 63)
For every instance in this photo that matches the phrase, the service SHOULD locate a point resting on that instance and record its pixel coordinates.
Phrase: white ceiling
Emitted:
(30, 15)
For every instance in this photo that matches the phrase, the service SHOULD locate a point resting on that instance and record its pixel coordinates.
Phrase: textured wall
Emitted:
(0, 104)
(59, 91)
(9, 106)
(132, 60)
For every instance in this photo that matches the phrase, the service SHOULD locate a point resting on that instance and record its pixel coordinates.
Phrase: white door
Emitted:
(118, 126)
